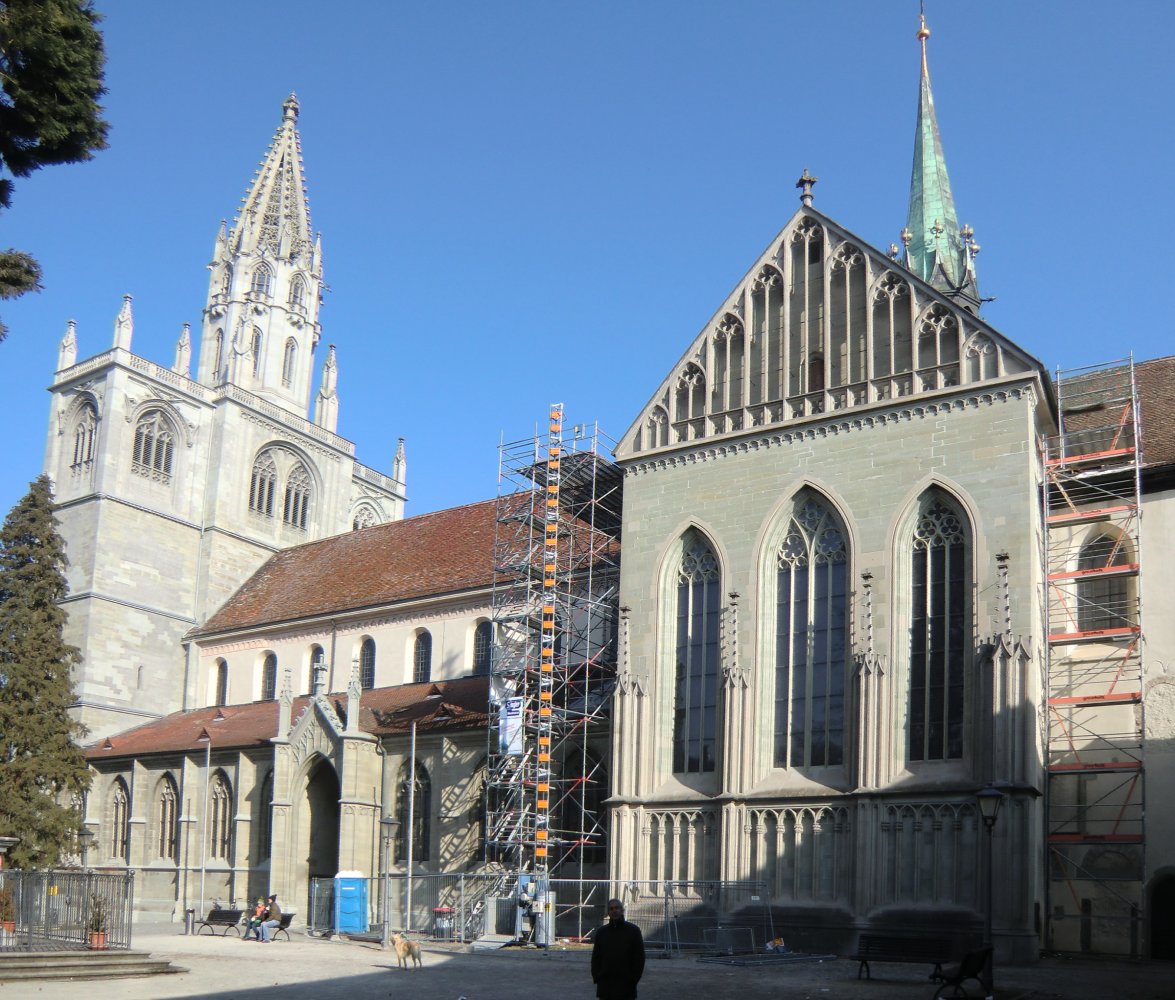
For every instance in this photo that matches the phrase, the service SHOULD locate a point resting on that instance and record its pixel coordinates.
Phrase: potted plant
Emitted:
(96, 922)
(7, 910)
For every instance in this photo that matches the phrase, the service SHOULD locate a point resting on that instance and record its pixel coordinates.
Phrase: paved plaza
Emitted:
(317, 969)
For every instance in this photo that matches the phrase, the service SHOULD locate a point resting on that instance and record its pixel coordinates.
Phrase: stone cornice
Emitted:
(845, 422)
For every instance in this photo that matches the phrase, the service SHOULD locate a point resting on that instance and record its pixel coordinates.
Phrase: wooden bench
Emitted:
(973, 965)
(220, 917)
(903, 948)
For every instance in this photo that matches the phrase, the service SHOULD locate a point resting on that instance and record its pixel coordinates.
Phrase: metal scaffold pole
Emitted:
(556, 562)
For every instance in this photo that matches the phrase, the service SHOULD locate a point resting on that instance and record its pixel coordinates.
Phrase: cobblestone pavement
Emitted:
(316, 969)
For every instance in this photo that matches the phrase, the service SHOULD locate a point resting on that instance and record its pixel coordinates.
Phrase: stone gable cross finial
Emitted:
(806, 181)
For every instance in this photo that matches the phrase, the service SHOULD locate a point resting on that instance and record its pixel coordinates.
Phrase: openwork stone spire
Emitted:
(937, 250)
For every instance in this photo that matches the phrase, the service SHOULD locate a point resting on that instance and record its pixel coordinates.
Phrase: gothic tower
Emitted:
(174, 489)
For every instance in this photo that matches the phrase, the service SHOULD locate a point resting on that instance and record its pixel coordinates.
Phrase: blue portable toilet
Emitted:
(350, 903)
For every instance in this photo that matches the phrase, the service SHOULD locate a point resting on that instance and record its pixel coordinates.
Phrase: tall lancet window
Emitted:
(262, 485)
(296, 510)
(85, 429)
(699, 607)
(938, 628)
(217, 353)
(367, 664)
(262, 283)
(153, 447)
(289, 357)
(811, 638)
(120, 812)
(255, 347)
(298, 292)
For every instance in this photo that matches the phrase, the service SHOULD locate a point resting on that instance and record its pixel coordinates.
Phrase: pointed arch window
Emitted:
(221, 682)
(939, 599)
(220, 824)
(296, 509)
(269, 677)
(422, 657)
(154, 447)
(226, 279)
(263, 484)
(289, 358)
(414, 798)
(255, 347)
(265, 818)
(85, 430)
(167, 818)
(298, 292)
(364, 518)
(483, 645)
(1103, 596)
(695, 710)
(120, 815)
(367, 664)
(811, 638)
(262, 282)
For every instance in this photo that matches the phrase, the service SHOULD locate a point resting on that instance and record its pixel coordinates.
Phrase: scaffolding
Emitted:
(556, 562)
(1095, 790)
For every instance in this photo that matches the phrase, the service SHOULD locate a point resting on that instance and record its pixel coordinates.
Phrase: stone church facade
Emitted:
(175, 483)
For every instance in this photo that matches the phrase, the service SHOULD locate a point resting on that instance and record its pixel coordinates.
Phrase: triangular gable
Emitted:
(822, 322)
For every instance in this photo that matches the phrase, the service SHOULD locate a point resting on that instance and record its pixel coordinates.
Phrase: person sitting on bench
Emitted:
(273, 918)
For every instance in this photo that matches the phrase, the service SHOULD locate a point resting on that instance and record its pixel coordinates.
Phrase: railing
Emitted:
(67, 910)
(463, 906)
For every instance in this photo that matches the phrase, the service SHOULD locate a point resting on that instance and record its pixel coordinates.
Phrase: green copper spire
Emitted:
(937, 250)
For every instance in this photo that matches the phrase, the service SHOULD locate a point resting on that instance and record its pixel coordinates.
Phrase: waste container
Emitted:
(189, 921)
(442, 923)
(350, 909)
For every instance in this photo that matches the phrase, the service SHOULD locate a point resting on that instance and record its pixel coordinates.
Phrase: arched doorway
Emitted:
(1162, 918)
(316, 853)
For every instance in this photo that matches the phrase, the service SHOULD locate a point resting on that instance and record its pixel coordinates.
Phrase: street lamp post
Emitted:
(205, 738)
(85, 839)
(388, 827)
(990, 799)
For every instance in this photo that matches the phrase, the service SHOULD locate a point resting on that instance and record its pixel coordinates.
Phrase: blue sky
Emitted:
(528, 202)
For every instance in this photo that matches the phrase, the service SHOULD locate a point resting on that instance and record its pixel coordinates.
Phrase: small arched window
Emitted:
(220, 823)
(154, 447)
(422, 657)
(221, 697)
(289, 357)
(262, 283)
(416, 798)
(262, 485)
(255, 346)
(269, 677)
(364, 518)
(483, 645)
(296, 509)
(298, 292)
(317, 666)
(120, 815)
(167, 818)
(367, 664)
(85, 429)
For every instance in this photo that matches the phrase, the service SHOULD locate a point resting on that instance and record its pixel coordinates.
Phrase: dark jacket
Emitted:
(274, 912)
(618, 959)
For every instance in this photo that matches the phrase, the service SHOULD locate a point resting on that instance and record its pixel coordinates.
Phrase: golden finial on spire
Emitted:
(923, 33)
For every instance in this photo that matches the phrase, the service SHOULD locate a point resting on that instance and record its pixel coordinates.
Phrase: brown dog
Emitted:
(406, 949)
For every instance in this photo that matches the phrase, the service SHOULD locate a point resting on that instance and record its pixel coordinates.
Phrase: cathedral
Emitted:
(879, 569)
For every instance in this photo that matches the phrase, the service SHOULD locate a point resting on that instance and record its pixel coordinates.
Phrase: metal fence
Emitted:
(465, 906)
(67, 910)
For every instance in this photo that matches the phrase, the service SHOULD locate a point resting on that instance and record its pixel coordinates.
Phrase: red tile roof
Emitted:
(1156, 393)
(440, 553)
(454, 705)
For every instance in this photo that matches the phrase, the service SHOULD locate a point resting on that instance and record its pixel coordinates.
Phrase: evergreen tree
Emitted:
(42, 770)
(51, 66)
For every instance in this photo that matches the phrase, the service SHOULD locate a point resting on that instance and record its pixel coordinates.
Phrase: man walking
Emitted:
(618, 956)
